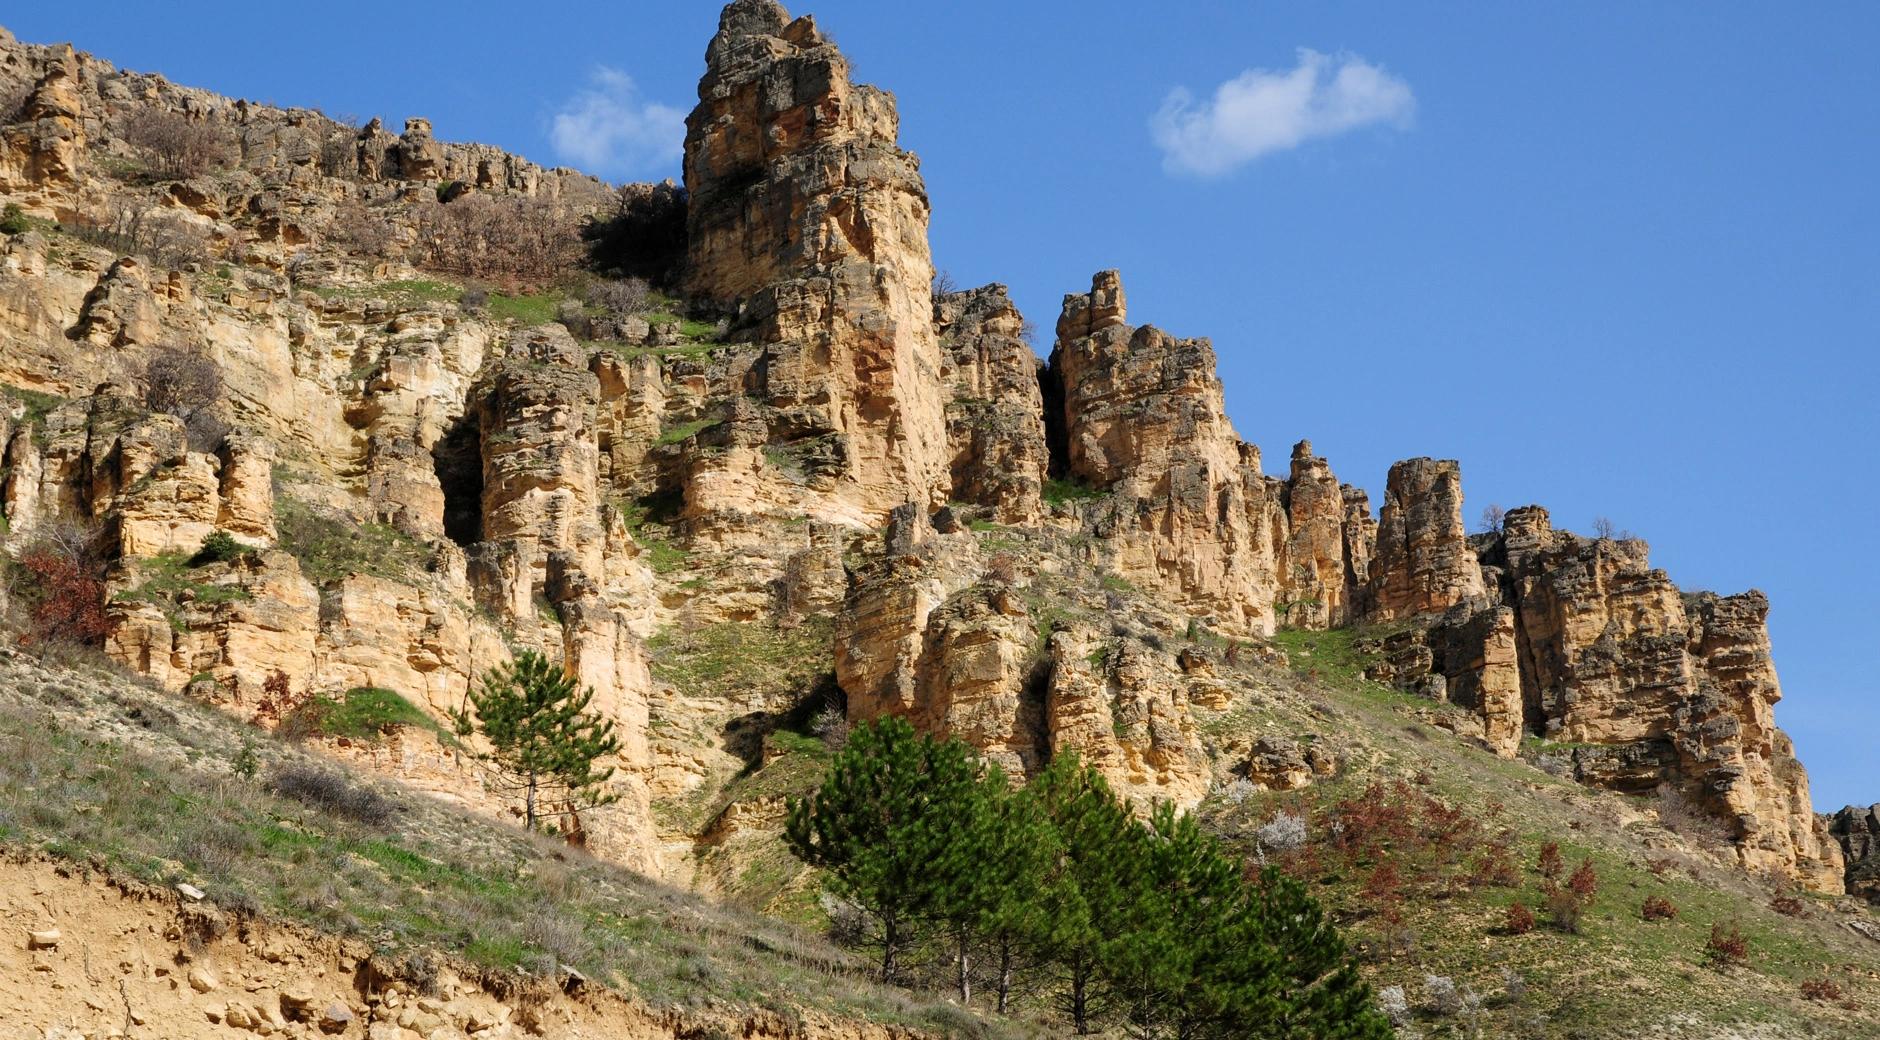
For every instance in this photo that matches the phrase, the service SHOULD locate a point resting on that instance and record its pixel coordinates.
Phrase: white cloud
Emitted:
(606, 129)
(1267, 110)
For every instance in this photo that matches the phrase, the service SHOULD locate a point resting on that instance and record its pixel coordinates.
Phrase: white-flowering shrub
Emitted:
(1395, 1006)
(1283, 833)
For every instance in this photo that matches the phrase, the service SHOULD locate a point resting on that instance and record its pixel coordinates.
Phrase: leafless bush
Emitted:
(359, 230)
(132, 227)
(331, 793)
(177, 145)
(185, 382)
(1283, 833)
(1679, 815)
(1493, 517)
(498, 238)
(622, 296)
(832, 725)
(339, 153)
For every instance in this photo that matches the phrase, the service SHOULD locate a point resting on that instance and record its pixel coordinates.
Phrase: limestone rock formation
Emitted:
(541, 461)
(1316, 577)
(1422, 562)
(1857, 830)
(1117, 704)
(806, 217)
(1189, 516)
(995, 412)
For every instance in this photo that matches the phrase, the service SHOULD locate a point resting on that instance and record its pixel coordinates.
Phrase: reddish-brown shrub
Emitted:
(66, 592)
(1585, 880)
(1658, 908)
(1520, 918)
(1551, 864)
(1727, 945)
(1789, 906)
(1383, 890)
(1495, 866)
(278, 700)
(1822, 989)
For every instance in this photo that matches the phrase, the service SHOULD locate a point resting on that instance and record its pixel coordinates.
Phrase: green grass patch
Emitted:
(331, 546)
(530, 309)
(1058, 491)
(170, 583)
(369, 712)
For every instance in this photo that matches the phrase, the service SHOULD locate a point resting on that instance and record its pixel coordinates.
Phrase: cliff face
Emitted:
(885, 485)
(809, 221)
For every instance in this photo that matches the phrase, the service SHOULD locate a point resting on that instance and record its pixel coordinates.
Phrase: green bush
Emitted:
(220, 547)
(361, 713)
(13, 220)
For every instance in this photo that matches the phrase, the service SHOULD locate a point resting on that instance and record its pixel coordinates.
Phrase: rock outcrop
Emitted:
(1422, 562)
(1857, 830)
(1189, 516)
(995, 411)
(807, 219)
(1654, 689)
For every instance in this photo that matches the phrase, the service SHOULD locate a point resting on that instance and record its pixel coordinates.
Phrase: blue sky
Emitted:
(1619, 259)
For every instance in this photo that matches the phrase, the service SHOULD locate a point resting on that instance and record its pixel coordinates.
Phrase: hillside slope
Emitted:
(312, 424)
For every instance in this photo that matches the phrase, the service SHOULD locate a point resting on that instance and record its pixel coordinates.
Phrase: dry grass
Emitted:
(96, 769)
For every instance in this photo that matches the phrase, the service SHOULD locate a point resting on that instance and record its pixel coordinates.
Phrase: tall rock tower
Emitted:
(810, 223)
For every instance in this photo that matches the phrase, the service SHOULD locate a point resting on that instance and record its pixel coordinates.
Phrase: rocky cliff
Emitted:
(848, 492)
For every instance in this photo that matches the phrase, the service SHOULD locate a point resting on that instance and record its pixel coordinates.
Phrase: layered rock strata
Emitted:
(808, 220)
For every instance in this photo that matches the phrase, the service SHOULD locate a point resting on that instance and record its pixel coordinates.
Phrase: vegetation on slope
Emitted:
(97, 769)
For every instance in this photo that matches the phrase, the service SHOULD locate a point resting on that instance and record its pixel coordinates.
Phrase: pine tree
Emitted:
(1166, 963)
(985, 879)
(1023, 848)
(1293, 978)
(1089, 891)
(543, 741)
(887, 811)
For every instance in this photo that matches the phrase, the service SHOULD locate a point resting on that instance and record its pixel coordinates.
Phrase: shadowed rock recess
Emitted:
(808, 482)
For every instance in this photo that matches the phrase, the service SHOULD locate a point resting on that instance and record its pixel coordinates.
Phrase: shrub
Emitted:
(331, 793)
(132, 226)
(13, 220)
(1658, 908)
(1726, 945)
(1551, 865)
(1395, 1006)
(1789, 906)
(360, 231)
(220, 547)
(500, 238)
(1567, 903)
(1283, 833)
(277, 699)
(187, 383)
(619, 296)
(66, 591)
(474, 300)
(177, 145)
(832, 725)
(1520, 918)
(1826, 990)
